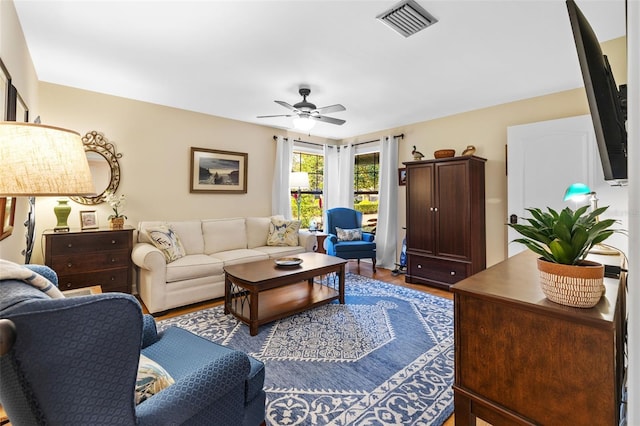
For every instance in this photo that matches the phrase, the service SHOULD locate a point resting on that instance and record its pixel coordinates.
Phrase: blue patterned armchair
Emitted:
(349, 219)
(74, 361)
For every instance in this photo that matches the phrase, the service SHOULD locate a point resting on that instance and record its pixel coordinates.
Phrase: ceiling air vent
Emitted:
(407, 18)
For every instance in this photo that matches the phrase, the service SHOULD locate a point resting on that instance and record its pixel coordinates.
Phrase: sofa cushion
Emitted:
(167, 241)
(275, 252)
(224, 234)
(232, 257)
(283, 232)
(194, 266)
(257, 231)
(151, 379)
(189, 231)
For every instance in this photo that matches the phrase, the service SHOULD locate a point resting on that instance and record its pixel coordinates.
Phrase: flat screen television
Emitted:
(607, 103)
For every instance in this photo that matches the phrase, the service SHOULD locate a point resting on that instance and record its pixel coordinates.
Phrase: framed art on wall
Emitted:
(88, 219)
(214, 171)
(402, 176)
(7, 215)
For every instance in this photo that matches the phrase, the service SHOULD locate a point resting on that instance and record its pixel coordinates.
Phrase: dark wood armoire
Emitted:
(445, 220)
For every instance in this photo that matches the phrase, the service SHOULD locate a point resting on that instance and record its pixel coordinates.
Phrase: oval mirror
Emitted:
(104, 165)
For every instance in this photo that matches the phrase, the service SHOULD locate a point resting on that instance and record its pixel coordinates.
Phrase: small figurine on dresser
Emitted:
(417, 155)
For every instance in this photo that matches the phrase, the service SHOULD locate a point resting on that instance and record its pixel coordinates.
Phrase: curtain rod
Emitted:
(401, 136)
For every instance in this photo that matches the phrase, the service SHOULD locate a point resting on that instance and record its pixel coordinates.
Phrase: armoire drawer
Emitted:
(443, 271)
(85, 243)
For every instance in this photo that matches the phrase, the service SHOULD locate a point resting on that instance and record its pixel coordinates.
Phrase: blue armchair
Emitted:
(74, 361)
(344, 218)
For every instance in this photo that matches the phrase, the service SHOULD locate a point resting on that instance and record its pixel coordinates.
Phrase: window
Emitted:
(365, 181)
(308, 207)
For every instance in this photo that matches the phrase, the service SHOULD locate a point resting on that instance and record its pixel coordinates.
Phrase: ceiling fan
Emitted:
(307, 110)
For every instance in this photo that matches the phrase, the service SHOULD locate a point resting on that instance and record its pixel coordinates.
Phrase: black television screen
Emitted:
(606, 102)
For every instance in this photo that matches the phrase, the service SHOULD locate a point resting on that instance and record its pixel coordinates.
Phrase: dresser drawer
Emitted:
(73, 264)
(79, 243)
(442, 271)
(111, 280)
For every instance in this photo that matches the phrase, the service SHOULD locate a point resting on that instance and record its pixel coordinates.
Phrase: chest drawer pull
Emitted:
(419, 266)
(69, 265)
(69, 245)
(113, 241)
(68, 285)
(453, 272)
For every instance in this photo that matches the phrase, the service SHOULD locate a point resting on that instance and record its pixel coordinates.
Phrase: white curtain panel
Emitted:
(387, 228)
(331, 177)
(280, 194)
(345, 188)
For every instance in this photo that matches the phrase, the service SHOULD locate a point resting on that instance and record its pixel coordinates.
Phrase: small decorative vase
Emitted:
(580, 286)
(116, 222)
(62, 211)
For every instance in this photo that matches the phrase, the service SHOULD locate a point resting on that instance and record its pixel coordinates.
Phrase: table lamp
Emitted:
(299, 180)
(579, 192)
(40, 160)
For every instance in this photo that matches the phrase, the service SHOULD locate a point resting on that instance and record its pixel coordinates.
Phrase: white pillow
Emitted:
(349, 234)
(283, 232)
(151, 379)
(167, 241)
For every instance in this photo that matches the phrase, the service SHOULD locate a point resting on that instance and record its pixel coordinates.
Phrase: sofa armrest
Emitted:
(308, 240)
(148, 257)
(188, 395)
(368, 237)
(329, 244)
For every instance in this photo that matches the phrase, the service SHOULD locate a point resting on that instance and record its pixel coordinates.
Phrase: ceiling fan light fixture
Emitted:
(303, 123)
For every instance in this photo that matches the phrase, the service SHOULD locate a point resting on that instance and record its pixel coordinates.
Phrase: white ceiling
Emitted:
(234, 58)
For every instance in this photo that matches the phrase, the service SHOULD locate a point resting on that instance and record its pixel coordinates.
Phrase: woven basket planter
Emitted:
(116, 222)
(580, 286)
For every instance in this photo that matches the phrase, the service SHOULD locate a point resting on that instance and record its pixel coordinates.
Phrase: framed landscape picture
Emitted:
(216, 171)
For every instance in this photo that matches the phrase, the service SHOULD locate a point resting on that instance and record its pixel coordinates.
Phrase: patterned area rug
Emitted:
(383, 358)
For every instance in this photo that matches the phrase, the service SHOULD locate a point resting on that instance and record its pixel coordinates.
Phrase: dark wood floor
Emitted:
(363, 269)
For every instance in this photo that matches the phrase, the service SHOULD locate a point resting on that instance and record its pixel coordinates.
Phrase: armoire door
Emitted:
(452, 210)
(420, 209)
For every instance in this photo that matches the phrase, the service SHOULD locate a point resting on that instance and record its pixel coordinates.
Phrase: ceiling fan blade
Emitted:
(329, 120)
(331, 108)
(286, 105)
(279, 115)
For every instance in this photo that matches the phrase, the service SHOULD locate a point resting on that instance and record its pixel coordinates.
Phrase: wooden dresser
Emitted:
(522, 359)
(91, 257)
(445, 220)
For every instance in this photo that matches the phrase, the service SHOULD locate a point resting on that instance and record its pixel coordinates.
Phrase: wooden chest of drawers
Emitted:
(91, 257)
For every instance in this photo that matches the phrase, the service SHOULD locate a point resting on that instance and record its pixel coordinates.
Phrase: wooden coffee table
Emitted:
(261, 292)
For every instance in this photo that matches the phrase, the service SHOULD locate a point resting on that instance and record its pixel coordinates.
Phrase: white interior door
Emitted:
(543, 160)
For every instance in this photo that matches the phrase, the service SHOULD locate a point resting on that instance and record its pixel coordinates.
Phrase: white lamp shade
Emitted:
(303, 123)
(299, 180)
(42, 160)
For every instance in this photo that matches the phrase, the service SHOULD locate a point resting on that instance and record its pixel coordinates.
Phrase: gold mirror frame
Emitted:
(96, 142)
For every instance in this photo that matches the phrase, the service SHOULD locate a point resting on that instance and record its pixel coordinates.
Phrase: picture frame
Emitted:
(7, 216)
(402, 176)
(214, 171)
(5, 84)
(88, 219)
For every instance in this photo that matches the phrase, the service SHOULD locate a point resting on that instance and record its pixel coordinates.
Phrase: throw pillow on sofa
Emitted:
(166, 241)
(151, 379)
(349, 234)
(283, 232)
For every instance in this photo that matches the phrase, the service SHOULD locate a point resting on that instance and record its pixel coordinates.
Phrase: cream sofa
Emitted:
(209, 246)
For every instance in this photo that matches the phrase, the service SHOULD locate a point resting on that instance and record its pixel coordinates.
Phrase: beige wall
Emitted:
(155, 141)
(486, 129)
(16, 58)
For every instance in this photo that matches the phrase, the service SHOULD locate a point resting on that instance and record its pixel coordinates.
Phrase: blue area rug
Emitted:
(384, 358)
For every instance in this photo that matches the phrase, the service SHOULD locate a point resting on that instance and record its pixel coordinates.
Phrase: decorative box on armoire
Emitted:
(446, 237)
(91, 257)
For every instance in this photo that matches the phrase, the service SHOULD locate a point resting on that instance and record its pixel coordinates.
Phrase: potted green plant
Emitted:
(117, 203)
(563, 240)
